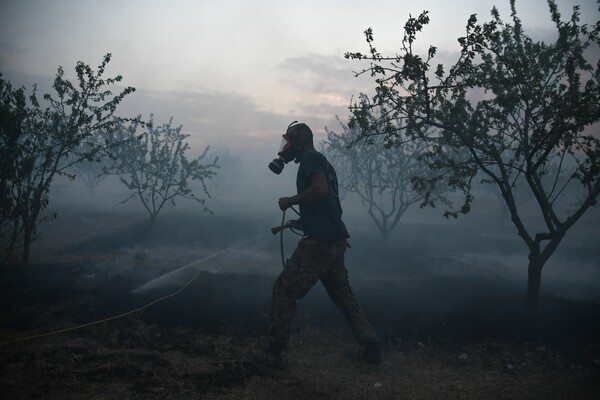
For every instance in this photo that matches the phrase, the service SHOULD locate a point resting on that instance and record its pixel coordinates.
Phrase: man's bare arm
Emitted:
(317, 190)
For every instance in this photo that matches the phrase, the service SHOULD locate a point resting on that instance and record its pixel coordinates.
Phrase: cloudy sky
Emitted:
(235, 73)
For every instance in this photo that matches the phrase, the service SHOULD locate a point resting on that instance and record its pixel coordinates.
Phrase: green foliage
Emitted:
(154, 166)
(524, 112)
(38, 143)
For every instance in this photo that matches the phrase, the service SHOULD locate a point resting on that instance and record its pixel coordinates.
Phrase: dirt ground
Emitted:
(195, 345)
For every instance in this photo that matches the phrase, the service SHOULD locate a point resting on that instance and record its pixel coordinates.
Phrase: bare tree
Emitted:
(154, 166)
(379, 173)
(526, 112)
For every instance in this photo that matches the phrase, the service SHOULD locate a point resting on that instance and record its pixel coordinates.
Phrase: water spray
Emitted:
(146, 286)
(153, 283)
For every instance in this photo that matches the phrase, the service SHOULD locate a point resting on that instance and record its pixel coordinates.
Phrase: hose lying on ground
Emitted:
(138, 309)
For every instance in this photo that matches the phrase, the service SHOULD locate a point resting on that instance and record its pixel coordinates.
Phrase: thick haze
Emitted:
(234, 73)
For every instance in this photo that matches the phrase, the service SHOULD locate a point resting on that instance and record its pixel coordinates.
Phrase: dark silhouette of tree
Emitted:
(379, 171)
(40, 142)
(13, 113)
(154, 166)
(526, 112)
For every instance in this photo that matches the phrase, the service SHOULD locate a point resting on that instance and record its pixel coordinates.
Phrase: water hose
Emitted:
(279, 229)
(281, 239)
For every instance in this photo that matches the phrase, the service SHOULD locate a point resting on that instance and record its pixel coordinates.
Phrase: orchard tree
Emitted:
(526, 112)
(13, 113)
(379, 170)
(42, 141)
(92, 168)
(154, 166)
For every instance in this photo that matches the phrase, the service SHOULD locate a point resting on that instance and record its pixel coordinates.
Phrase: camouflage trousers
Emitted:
(314, 260)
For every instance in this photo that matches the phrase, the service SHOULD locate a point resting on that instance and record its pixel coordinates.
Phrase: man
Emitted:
(320, 253)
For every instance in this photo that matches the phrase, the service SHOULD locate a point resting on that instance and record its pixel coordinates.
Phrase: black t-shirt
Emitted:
(321, 219)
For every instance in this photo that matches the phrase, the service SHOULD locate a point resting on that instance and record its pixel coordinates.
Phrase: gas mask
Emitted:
(285, 153)
(292, 145)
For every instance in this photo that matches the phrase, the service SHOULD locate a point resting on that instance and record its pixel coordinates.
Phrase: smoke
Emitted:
(482, 246)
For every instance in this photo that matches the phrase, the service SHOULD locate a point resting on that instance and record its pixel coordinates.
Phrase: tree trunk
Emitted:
(149, 234)
(152, 220)
(385, 234)
(27, 232)
(534, 277)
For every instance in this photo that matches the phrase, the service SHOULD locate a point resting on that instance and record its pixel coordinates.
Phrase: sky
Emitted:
(235, 73)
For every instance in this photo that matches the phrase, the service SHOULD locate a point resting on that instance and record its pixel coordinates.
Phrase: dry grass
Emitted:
(138, 361)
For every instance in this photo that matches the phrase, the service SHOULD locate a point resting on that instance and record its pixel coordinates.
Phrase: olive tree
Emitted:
(154, 166)
(525, 111)
(41, 141)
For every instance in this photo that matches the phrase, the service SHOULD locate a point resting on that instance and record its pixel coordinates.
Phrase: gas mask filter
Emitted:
(277, 165)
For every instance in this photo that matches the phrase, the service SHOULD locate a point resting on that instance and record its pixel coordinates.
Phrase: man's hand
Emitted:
(285, 203)
(317, 190)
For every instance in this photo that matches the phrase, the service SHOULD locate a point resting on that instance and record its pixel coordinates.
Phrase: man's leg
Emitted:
(335, 281)
(299, 275)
